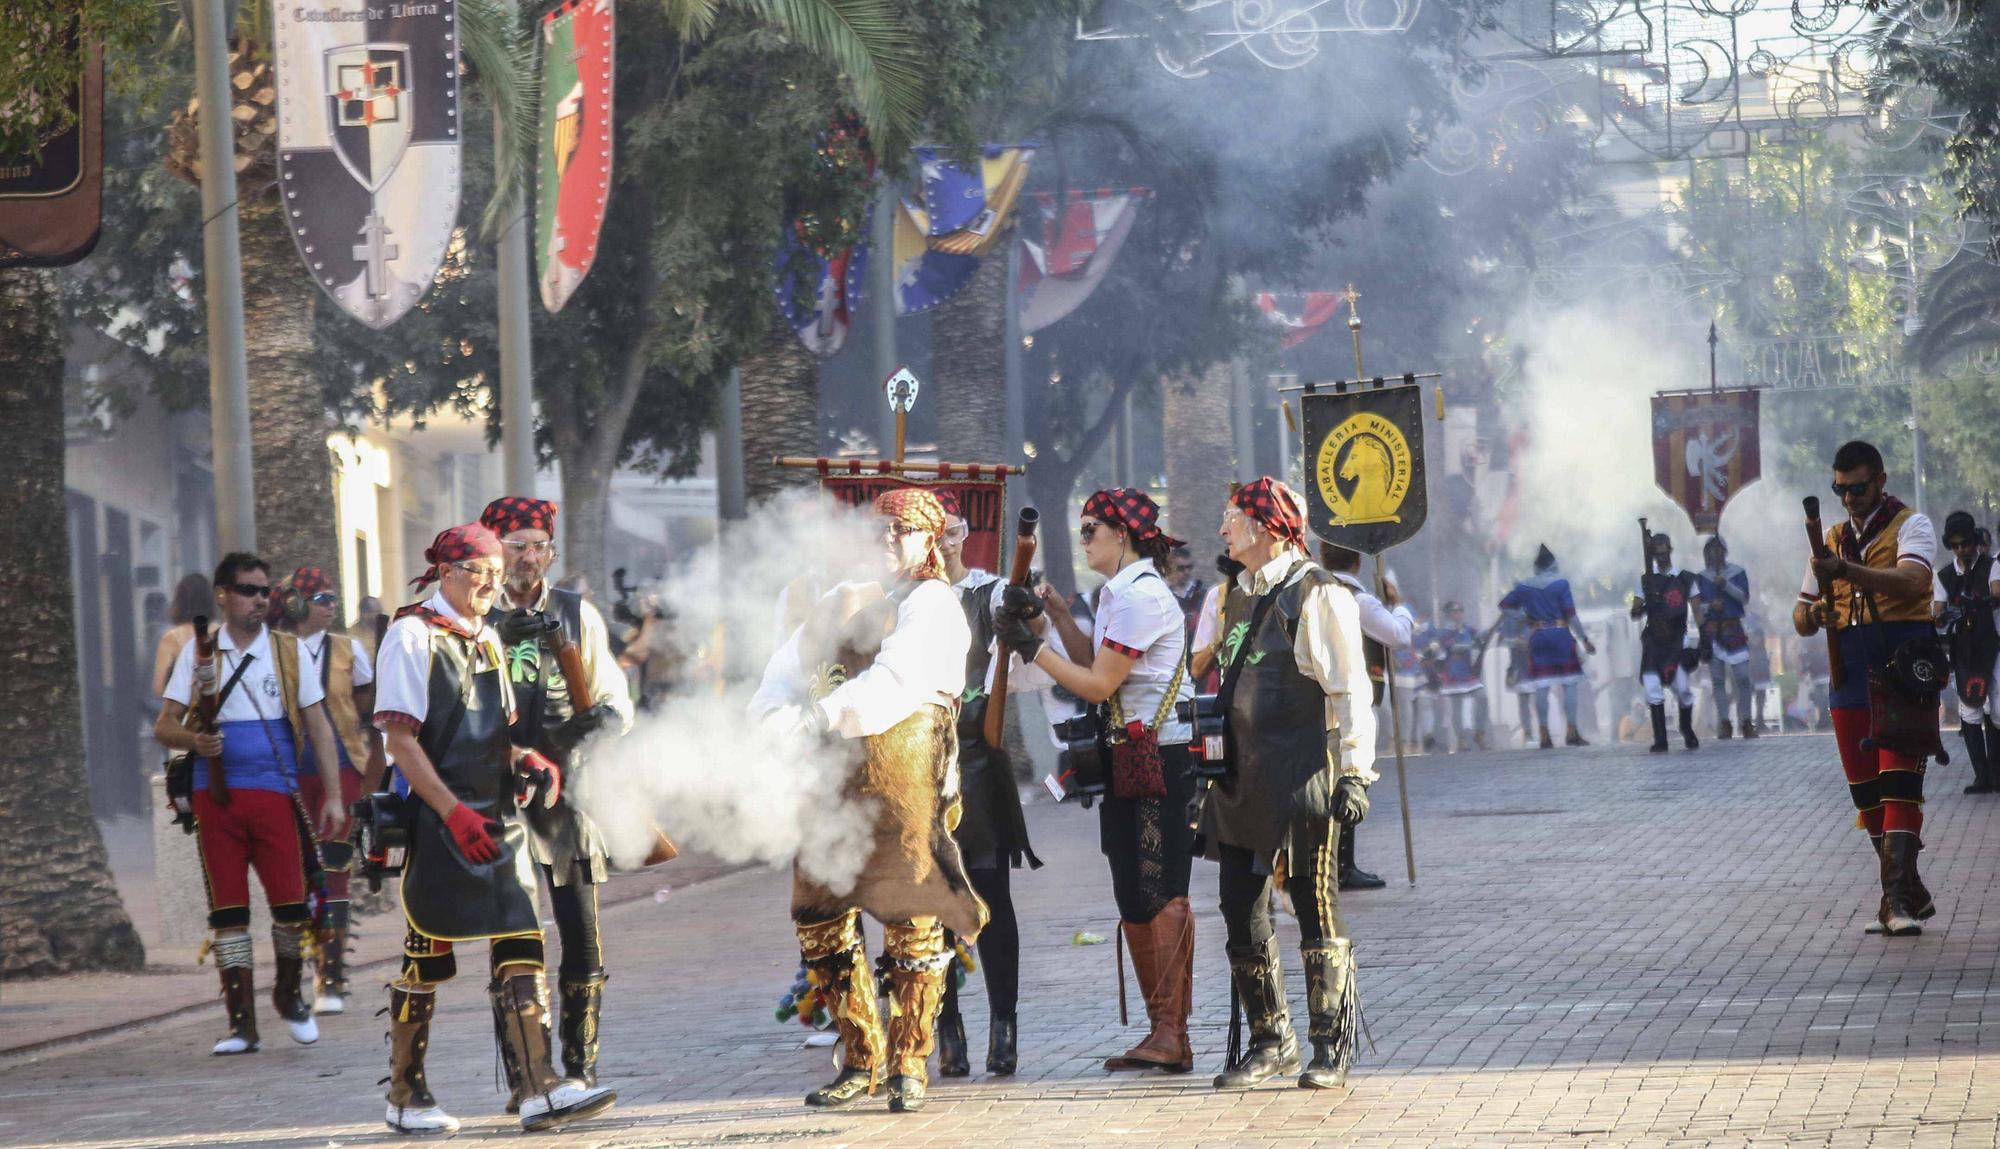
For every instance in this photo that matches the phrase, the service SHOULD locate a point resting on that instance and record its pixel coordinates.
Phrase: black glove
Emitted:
(566, 736)
(1350, 800)
(521, 625)
(1013, 633)
(1021, 602)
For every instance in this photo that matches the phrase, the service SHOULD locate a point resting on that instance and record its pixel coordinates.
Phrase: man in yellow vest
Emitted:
(1878, 569)
(346, 677)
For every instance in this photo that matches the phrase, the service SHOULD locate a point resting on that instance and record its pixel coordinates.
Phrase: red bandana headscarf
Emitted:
(309, 581)
(918, 508)
(1133, 510)
(1272, 506)
(949, 502)
(456, 545)
(504, 516)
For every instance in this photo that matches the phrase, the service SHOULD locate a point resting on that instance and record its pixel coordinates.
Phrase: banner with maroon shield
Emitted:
(368, 138)
(1705, 450)
(980, 501)
(51, 204)
(573, 173)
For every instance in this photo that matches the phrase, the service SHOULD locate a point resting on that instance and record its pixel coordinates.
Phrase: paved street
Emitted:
(1605, 948)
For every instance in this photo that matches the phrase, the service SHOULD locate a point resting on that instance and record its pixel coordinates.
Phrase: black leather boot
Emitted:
(1353, 877)
(1899, 885)
(1722, 729)
(953, 1061)
(1274, 1048)
(510, 1065)
(1334, 1002)
(1687, 729)
(582, 1003)
(1002, 1056)
(1974, 734)
(1659, 727)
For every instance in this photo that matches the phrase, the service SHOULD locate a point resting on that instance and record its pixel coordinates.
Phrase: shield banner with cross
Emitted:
(368, 139)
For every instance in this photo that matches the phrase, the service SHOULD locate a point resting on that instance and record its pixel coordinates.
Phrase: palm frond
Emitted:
(867, 41)
(691, 19)
(500, 48)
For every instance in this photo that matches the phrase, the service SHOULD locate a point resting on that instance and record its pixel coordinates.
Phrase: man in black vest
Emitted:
(444, 706)
(1301, 748)
(1666, 645)
(555, 718)
(1965, 612)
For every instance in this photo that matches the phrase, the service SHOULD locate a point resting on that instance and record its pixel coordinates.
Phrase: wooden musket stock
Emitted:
(1024, 556)
(1816, 538)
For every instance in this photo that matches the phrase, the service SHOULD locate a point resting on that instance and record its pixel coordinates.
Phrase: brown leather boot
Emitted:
(239, 995)
(288, 981)
(548, 1100)
(1163, 955)
(412, 1109)
(330, 988)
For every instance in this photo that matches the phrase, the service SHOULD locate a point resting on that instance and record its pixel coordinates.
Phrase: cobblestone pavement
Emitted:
(1605, 948)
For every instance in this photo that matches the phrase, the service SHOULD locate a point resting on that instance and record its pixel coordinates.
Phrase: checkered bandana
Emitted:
(949, 502)
(1130, 509)
(916, 507)
(310, 581)
(456, 545)
(1273, 506)
(504, 516)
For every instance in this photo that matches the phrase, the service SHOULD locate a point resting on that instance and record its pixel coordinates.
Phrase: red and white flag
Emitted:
(1299, 315)
(1079, 242)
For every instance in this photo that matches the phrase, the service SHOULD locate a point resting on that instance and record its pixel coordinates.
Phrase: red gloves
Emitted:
(541, 780)
(468, 829)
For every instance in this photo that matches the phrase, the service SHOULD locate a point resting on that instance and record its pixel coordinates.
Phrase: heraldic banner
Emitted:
(573, 173)
(981, 501)
(1705, 450)
(368, 138)
(51, 205)
(1364, 459)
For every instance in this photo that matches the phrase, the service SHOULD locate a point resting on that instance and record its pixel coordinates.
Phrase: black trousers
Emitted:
(1149, 843)
(1311, 878)
(575, 906)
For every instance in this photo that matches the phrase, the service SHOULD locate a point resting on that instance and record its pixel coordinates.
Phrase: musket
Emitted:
(1817, 539)
(1024, 556)
(206, 713)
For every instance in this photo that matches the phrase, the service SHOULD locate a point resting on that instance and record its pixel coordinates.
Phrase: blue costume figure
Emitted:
(1550, 614)
(1724, 591)
(1452, 652)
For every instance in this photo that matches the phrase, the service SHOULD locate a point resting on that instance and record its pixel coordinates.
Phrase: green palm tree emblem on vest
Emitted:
(524, 660)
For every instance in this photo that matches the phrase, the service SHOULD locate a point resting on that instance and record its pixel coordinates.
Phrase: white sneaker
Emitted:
(304, 1032)
(330, 1003)
(568, 1101)
(232, 1045)
(420, 1122)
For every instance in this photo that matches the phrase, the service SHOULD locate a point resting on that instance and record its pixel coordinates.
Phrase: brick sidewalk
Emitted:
(1606, 948)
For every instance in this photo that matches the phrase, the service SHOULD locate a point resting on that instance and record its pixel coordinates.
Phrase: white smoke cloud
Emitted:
(698, 765)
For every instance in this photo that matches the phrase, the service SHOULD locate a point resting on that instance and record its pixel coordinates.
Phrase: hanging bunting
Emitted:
(1078, 245)
(368, 145)
(573, 171)
(51, 205)
(1314, 308)
(938, 243)
(822, 315)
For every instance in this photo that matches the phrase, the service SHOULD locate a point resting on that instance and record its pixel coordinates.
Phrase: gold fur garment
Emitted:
(917, 959)
(908, 773)
(837, 963)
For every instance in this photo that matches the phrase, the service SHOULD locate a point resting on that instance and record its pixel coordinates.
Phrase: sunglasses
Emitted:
(324, 598)
(1842, 490)
(1088, 531)
(251, 589)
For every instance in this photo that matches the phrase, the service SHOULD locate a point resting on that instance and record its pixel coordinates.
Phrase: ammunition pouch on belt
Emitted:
(382, 822)
(180, 790)
(1083, 765)
(1903, 701)
(1211, 742)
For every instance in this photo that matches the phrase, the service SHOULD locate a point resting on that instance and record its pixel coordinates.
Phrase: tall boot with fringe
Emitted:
(1333, 1000)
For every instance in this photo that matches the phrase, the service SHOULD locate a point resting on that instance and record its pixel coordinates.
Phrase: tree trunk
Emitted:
(586, 506)
(780, 413)
(1050, 483)
(969, 365)
(288, 421)
(59, 910)
(1200, 459)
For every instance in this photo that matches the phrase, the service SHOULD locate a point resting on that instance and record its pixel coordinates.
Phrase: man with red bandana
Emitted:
(875, 675)
(556, 717)
(1301, 739)
(347, 679)
(444, 704)
(1879, 568)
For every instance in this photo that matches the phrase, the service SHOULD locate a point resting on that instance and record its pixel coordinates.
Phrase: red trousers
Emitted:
(312, 795)
(1887, 788)
(257, 828)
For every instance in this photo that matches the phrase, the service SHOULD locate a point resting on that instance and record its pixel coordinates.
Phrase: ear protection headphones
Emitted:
(290, 605)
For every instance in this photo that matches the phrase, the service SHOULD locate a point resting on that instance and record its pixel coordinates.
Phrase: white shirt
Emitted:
(1137, 615)
(1328, 651)
(1391, 628)
(314, 648)
(1208, 622)
(1915, 540)
(257, 696)
(607, 679)
(403, 664)
(922, 661)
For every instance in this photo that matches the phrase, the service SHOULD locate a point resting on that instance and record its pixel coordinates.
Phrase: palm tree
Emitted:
(59, 910)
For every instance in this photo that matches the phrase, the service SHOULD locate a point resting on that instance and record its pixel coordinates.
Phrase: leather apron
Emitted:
(465, 736)
(1276, 727)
